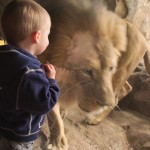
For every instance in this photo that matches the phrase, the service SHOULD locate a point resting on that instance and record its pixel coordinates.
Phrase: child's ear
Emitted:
(36, 36)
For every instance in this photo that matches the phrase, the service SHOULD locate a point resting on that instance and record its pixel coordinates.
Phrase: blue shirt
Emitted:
(26, 94)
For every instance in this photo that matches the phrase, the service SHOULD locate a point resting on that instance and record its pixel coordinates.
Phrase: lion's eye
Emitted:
(88, 72)
(110, 68)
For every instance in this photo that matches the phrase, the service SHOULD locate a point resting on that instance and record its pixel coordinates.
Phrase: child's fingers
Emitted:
(51, 66)
(48, 67)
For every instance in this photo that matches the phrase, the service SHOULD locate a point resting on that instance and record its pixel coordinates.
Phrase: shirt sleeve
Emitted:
(37, 94)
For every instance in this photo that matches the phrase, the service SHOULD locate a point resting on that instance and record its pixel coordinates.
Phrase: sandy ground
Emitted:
(123, 129)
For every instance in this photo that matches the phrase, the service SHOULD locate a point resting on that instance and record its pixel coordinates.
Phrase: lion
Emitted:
(94, 52)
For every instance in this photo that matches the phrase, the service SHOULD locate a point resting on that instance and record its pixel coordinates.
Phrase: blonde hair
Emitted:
(21, 18)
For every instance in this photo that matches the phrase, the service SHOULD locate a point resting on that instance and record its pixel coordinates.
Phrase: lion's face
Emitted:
(94, 60)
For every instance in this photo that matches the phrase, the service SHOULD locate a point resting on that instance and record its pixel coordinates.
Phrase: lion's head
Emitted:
(89, 41)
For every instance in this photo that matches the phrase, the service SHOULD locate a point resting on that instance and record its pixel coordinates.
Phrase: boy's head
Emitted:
(22, 18)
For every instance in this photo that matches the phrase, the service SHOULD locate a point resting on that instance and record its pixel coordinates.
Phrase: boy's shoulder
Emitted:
(18, 57)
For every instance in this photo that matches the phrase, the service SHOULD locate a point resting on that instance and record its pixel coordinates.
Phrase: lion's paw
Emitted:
(93, 120)
(59, 144)
(51, 147)
(97, 116)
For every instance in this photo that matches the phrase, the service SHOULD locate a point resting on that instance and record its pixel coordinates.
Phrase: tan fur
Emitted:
(94, 52)
(121, 8)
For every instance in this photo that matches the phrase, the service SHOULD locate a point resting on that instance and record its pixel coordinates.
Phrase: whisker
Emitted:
(61, 87)
(111, 107)
(118, 108)
(72, 87)
(85, 85)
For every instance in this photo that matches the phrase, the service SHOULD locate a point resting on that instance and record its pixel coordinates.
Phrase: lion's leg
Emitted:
(124, 90)
(57, 135)
(99, 115)
(147, 61)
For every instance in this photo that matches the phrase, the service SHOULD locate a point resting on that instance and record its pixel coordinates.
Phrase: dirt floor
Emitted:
(123, 129)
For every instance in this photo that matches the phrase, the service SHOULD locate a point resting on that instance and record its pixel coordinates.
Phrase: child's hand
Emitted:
(50, 71)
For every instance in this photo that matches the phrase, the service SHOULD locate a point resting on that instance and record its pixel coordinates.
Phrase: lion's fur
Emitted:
(94, 52)
(67, 22)
(121, 8)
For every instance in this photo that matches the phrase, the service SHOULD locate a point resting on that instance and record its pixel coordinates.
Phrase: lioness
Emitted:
(95, 52)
